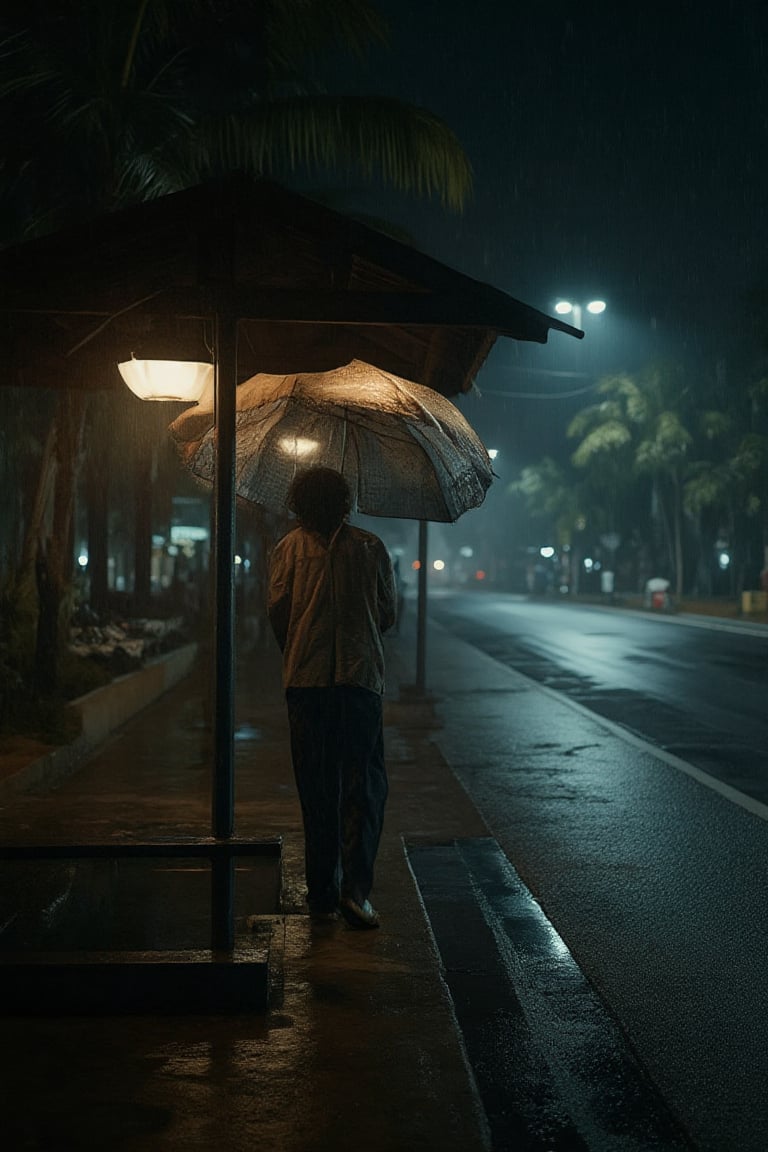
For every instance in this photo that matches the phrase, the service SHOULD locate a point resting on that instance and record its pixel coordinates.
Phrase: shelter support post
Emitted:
(223, 789)
(421, 616)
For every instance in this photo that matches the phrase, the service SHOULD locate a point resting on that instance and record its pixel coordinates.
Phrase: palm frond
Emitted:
(715, 425)
(604, 440)
(708, 486)
(752, 454)
(407, 147)
(119, 110)
(299, 29)
(594, 416)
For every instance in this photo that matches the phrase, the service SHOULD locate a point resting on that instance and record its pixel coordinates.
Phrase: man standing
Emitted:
(331, 596)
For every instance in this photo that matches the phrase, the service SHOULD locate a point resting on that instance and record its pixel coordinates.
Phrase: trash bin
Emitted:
(657, 593)
(754, 602)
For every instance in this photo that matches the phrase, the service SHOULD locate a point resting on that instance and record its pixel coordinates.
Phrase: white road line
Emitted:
(748, 803)
(714, 623)
(756, 807)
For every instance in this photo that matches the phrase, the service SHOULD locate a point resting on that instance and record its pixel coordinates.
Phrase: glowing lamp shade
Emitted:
(596, 307)
(180, 380)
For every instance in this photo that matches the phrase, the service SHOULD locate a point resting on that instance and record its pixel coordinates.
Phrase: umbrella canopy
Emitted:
(404, 449)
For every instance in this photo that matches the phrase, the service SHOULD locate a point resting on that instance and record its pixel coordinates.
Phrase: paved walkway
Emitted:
(359, 1047)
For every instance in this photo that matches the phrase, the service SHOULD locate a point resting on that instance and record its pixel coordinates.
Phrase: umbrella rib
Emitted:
(343, 440)
(425, 412)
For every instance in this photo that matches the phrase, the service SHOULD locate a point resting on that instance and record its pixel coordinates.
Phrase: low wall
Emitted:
(101, 712)
(106, 708)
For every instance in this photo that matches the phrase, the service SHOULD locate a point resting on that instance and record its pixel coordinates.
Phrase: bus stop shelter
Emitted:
(258, 279)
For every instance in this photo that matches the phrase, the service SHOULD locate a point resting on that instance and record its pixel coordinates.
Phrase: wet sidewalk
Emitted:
(359, 1046)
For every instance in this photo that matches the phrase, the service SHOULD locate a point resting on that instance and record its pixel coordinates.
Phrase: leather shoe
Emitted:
(359, 915)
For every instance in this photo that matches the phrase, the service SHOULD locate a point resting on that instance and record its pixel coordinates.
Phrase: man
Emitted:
(331, 596)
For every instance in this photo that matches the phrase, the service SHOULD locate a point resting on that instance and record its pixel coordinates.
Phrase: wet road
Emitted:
(695, 687)
(654, 879)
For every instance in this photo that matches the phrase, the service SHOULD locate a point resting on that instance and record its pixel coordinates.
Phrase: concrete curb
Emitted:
(101, 712)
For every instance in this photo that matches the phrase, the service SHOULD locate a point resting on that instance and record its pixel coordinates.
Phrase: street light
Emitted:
(167, 379)
(566, 307)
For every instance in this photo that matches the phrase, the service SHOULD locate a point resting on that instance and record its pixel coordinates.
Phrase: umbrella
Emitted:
(404, 449)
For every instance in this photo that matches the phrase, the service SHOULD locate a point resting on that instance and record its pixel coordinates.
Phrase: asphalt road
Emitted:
(652, 870)
(694, 686)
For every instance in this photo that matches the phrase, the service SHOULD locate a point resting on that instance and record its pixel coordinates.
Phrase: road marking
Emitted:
(753, 628)
(749, 803)
(727, 791)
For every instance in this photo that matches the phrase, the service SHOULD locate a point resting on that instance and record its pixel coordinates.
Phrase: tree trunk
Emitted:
(98, 532)
(40, 503)
(142, 562)
(21, 618)
(47, 638)
(677, 528)
(661, 514)
(54, 556)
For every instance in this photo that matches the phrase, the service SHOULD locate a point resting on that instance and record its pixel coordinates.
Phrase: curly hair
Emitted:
(320, 498)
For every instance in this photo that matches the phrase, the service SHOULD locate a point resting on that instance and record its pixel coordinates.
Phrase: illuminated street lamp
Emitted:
(167, 379)
(566, 307)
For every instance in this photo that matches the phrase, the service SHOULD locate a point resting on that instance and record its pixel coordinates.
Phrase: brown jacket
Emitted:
(328, 603)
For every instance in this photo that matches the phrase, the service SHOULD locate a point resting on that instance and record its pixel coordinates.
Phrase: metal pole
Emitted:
(223, 784)
(421, 622)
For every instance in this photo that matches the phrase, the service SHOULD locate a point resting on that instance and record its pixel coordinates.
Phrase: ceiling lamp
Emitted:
(180, 380)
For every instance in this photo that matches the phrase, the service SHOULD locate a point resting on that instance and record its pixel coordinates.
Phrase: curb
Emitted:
(101, 712)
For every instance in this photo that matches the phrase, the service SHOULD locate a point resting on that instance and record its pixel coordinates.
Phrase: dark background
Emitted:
(619, 151)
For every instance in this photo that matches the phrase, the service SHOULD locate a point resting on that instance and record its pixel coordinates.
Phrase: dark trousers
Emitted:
(337, 747)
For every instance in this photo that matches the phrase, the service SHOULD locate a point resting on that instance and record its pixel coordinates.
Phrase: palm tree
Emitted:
(105, 105)
(727, 487)
(53, 557)
(554, 494)
(709, 492)
(637, 431)
(27, 450)
(752, 459)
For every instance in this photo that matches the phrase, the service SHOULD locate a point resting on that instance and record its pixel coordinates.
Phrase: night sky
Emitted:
(619, 151)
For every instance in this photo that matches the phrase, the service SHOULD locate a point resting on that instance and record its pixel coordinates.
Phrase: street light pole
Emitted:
(565, 308)
(421, 619)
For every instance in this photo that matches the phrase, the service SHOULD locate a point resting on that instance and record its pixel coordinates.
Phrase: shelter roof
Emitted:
(311, 288)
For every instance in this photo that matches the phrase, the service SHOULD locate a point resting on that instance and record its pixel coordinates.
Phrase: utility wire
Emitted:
(537, 395)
